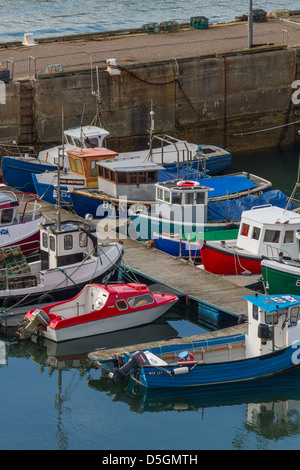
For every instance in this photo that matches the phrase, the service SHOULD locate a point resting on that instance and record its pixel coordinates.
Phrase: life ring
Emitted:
(187, 184)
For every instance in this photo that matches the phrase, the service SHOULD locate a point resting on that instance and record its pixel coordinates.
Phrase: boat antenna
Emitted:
(151, 129)
(81, 143)
(98, 97)
(58, 172)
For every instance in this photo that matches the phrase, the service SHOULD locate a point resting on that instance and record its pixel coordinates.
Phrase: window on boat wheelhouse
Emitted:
(6, 216)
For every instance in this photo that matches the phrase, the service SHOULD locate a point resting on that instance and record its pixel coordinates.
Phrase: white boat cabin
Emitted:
(67, 246)
(273, 323)
(81, 137)
(12, 211)
(187, 197)
(268, 231)
(130, 178)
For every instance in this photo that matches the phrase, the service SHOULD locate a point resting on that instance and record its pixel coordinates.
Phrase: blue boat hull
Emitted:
(172, 247)
(48, 192)
(86, 205)
(216, 373)
(18, 173)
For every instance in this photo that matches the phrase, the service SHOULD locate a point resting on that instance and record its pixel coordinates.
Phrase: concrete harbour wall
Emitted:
(211, 99)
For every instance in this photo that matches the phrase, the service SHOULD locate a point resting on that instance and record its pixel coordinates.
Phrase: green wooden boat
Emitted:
(281, 277)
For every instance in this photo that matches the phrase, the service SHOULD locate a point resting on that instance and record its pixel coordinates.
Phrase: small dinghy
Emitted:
(97, 309)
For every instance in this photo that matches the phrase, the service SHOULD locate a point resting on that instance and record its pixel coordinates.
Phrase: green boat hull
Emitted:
(280, 279)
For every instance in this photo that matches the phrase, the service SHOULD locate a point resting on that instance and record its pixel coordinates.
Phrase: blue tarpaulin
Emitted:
(221, 185)
(226, 211)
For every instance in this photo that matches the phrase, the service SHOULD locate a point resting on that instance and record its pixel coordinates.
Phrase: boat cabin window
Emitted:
(255, 312)
(200, 198)
(140, 300)
(68, 242)
(93, 168)
(159, 194)
(83, 239)
(142, 177)
(255, 233)
(189, 198)
(152, 176)
(45, 240)
(122, 178)
(7, 216)
(294, 315)
(272, 236)
(77, 142)
(52, 243)
(288, 236)
(167, 196)
(69, 140)
(91, 142)
(245, 230)
(121, 304)
(132, 178)
(72, 164)
(78, 166)
(269, 318)
(176, 198)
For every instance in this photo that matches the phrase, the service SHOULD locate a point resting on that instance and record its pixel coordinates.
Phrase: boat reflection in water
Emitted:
(273, 404)
(70, 352)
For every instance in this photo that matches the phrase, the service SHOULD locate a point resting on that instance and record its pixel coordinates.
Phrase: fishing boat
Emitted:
(182, 206)
(187, 246)
(95, 310)
(281, 275)
(270, 346)
(19, 220)
(83, 173)
(17, 170)
(70, 257)
(88, 185)
(121, 183)
(267, 231)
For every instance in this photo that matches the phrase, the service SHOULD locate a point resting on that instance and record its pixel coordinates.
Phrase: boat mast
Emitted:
(151, 130)
(58, 173)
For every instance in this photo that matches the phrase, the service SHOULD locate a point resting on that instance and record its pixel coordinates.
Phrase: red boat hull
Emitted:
(221, 261)
(28, 245)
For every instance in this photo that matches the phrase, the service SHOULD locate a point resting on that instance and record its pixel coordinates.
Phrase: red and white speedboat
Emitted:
(265, 231)
(97, 309)
(19, 221)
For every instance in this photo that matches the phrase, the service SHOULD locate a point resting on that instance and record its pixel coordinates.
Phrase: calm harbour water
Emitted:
(52, 398)
(57, 17)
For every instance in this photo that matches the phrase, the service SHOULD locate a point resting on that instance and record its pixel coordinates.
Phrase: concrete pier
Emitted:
(206, 86)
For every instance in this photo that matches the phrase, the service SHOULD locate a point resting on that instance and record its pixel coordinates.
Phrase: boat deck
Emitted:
(99, 356)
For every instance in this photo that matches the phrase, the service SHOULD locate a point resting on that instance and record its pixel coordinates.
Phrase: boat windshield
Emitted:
(140, 300)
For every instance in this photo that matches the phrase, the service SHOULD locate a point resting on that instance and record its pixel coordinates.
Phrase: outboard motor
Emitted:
(134, 364)
(39, 319)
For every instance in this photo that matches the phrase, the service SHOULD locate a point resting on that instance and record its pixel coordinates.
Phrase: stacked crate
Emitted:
(13, 262)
